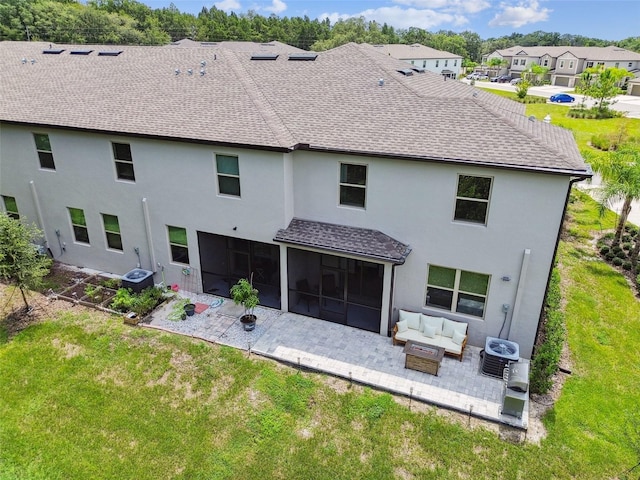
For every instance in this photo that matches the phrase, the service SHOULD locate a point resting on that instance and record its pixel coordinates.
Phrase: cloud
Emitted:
(227, 5)
(519, 15)
(276, 6)
(455, 6)
(402, 17)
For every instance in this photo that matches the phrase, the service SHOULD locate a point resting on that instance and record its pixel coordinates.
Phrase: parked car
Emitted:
(501, 79)
(515, 81)
(562, 98)
(477, 76)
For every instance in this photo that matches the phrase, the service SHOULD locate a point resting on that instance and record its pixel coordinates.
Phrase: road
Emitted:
(623, 103)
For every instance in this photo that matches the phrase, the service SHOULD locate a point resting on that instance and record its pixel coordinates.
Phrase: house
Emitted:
(446, 64)
(566, 64)
(348, 184)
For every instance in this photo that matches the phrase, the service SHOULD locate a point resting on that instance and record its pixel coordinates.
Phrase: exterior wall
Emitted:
(410, 201)
(414, 203)
(437, 65)
(567, 65)
(178, 181)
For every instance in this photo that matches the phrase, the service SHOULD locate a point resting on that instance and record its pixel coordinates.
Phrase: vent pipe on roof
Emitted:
(177, 71)
(381, 82)
(190, 71)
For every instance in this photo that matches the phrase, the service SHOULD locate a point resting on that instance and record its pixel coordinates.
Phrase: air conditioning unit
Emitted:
(497, 355)
(513, 403)
(518, 378)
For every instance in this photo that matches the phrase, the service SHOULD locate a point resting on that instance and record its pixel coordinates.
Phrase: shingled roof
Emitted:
(361, 242)
(333, 104)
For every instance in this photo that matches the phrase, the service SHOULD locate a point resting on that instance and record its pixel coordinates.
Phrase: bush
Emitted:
(601, 142)
(142, 303)
(604, 250)
(627, 246)
(610, 256)
(626, 237)
(617, 261)
(627, 265)
(616, 249)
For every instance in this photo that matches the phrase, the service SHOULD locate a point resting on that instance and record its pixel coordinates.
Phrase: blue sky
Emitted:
(605, 19)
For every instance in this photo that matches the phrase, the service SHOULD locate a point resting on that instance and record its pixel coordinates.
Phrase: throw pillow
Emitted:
(448, 327)
(412, 319)
(402, 326)
(457, 338)
(429, 331)
(435, 322)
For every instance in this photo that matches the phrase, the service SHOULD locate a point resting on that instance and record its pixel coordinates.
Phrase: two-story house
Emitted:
(349, 184)
(422, 57)
(566, 64)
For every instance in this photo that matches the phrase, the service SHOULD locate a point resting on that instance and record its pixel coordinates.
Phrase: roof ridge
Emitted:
(283, 135)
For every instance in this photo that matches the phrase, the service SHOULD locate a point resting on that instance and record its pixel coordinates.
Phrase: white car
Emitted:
(478, 76)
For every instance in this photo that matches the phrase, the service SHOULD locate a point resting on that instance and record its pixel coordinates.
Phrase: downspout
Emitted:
(36, 202)
(147, 225)
(392, 289)
(555, 252)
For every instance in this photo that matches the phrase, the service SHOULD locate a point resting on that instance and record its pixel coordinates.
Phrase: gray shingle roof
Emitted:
(610, 53)
(361, 242)
(331, 104)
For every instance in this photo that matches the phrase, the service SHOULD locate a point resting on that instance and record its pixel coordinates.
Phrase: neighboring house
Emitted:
(446, 64)
(566, 64)
(350, 185)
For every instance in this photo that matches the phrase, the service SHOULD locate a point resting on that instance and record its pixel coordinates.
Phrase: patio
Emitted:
(357, 355)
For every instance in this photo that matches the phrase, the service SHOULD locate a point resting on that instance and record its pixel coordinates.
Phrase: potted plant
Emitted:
(244, 294)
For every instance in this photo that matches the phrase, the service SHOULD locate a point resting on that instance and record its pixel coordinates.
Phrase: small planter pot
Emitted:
(190, 309)
(248, 322)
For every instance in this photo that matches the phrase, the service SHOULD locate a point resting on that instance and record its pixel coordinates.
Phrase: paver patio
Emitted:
(350, 353)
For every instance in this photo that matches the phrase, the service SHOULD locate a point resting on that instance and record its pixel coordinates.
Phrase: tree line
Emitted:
(132, 22)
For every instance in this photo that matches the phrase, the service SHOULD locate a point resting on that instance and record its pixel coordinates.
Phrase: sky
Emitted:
(603, 19)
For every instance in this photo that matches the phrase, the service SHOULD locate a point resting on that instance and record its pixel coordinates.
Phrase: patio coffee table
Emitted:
(423, 357)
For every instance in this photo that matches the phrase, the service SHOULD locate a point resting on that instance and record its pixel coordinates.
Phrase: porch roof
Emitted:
(360, 242)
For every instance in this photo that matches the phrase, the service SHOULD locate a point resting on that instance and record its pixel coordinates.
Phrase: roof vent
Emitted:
(419, 69)
(80, 52)
(190, 71)
(53, 51)
(177, 71)
(264, 56)
(532, 118)
(407, 72)
(268, 44)
(203, 63)
(303, 57)
(109, 53)
(381, 82)
(208, 44)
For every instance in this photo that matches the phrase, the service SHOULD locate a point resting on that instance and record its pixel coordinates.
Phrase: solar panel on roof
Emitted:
(53, 51)
(407, 72)
(80, 52)
(109, 53)
(304, 57)
(419, 69)
(264, 56)
(208, 44)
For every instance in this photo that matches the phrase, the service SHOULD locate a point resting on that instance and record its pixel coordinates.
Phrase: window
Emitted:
(79, 225)
(472, 199)
(178, 244)
(44, 151)
(589, 64)
(601, 64)
(353, 184)
(413, 62)
(112, 231)
(571, 65)
(523, 61)
(11, 207)
(228, 175)
(546, 62)
(424, 64)
(455, 63)
(630, 64)
(124, 161)
(437, 63)
(446, 63)
(561, 63)
(457, 290)
(515, 61)
(617, 65)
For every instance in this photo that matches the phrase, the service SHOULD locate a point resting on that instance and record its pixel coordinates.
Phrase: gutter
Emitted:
(555, 251)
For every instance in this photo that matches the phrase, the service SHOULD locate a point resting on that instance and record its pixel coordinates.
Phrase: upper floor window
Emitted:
(601, 64)
(11, 207)
(413, 62)
(124, 161)
(472, 199)
(112, 231)
(561, 63)
(523, 61)
(178, 244)
(630, 64)
(44, 151)
(446, 63)
(589, 64)
(353, 184)
(617, 65)
(515, 61)
(437, 63)
(228, 175)
(457, 290)
(424, 64)
(545, 63)
(79, 225)
(571, 64)
(455, 63)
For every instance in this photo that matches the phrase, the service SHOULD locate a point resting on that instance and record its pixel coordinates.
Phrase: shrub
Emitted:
(627, 246)
(617, 261)
(627, 265)
(113, 283)
(601, 142)
(610, 256)
(626, 238)
(638, 279)
(142, 303)
(616, 249)
(604, 250)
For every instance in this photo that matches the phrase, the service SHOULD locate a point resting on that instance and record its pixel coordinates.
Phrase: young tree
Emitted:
(535, 74)
(20, 262)
(601, 84)
(620, 172)
(497, 64)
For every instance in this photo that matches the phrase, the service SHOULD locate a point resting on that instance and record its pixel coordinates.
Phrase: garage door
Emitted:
(562, 81)
(634, 89)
